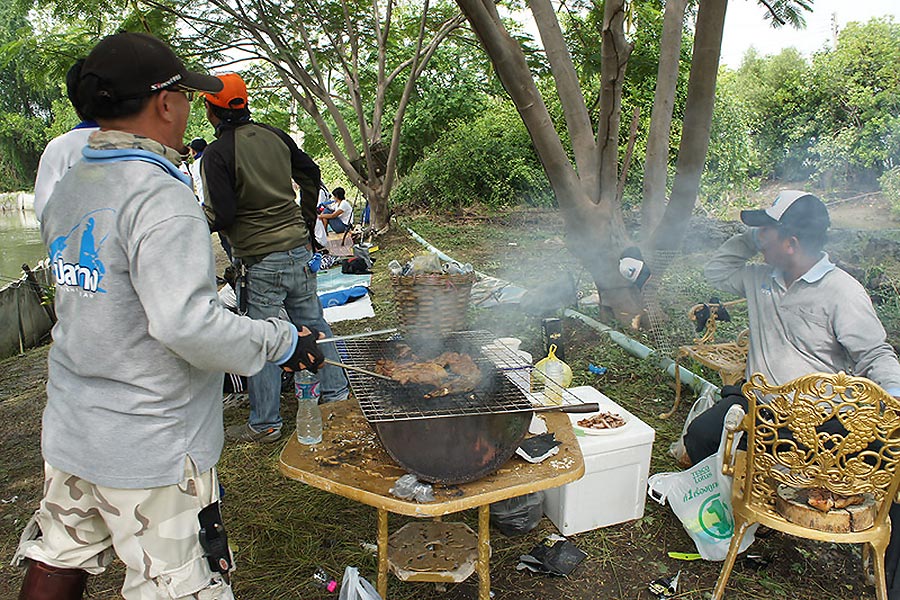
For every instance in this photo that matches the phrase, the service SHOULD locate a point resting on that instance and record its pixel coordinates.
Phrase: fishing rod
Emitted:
(21, 278)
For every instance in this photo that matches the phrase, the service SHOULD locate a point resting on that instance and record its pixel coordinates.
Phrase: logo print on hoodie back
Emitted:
(89, 270)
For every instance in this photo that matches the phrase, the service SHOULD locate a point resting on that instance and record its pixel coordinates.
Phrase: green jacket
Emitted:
(247, 189)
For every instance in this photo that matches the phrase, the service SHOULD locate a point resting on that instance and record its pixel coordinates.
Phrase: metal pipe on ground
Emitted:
(633, 347)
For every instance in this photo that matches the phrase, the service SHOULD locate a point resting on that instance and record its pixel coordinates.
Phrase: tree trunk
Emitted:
(614, 53)
(586, 191)
(697, 123)
(656, 167)
(595, 230)
(595, 235)
(595, 227)
(379, 206)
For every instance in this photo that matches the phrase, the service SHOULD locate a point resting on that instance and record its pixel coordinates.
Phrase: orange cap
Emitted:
(233, 95)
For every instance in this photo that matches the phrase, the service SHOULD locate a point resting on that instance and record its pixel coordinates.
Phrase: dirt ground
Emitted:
(281, 530)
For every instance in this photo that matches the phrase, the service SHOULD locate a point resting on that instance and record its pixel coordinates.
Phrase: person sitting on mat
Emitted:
(339, 217)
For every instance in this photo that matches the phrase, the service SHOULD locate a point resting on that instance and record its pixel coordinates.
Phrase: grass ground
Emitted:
(283, 530)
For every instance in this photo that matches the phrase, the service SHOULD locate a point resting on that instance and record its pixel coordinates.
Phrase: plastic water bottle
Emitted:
(321, 579)
(309, 418)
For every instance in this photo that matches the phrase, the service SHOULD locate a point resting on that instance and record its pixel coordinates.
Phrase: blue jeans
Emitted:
(283, 279)
(336, 225)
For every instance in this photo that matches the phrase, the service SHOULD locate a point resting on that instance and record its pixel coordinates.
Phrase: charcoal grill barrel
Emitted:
(456, 438)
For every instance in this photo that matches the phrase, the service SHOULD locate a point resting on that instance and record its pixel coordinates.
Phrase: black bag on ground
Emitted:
(355, 266)
(519, 515)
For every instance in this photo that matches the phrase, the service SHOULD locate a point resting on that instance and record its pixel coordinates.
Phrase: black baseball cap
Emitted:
(793, 209)
(133, 65)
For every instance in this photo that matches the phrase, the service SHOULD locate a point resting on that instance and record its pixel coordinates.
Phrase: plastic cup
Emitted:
(510, 342)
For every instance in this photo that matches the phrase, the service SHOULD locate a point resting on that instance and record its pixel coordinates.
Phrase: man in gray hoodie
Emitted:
(133, 427)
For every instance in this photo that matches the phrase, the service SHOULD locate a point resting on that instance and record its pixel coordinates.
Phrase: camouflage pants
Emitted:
(153, 531)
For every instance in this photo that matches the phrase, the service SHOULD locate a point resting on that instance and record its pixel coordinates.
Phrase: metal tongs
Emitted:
(354, 336)
(357, 369)
(584, 407)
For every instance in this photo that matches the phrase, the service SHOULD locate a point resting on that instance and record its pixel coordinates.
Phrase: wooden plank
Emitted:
(793, 504)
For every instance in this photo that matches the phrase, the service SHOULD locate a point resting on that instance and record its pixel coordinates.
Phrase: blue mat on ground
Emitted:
(332, 283)
(341, 297)
(333, 280)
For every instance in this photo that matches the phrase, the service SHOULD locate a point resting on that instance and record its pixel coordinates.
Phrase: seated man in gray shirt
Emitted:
(806, 315)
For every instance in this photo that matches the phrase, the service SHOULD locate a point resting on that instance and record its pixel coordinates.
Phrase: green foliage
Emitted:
(782, 12)
(856, 101)
(489, 160)
(732, 158)
(39, 42)
(444, 94)
(24, 103)
(890, 187)
(836, 118)
(775, 90)
(333, 176)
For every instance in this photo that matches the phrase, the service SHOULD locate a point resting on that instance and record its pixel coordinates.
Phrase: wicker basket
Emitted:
(432, 305)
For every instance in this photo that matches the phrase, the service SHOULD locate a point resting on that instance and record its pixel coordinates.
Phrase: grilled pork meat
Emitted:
(427, 373)
(449, 373)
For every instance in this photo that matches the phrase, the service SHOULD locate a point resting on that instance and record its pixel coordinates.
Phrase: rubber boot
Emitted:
(43, 582)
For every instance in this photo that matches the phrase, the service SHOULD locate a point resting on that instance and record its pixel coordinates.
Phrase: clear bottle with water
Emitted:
(309, 418)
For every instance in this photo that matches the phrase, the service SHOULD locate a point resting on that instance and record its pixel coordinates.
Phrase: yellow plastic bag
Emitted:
(539, 373)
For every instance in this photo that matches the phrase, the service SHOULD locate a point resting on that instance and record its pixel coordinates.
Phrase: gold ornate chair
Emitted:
(728, 359)
(788, 451)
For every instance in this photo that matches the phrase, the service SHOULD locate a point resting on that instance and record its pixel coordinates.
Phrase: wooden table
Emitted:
(351, 462)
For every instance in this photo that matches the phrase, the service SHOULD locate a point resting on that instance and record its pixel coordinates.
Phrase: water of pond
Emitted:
(20, 243)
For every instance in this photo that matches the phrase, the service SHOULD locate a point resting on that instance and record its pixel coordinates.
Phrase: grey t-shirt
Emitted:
(135, 371)
(823, 322)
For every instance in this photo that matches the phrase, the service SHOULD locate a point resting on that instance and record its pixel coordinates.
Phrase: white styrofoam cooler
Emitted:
(613, 488)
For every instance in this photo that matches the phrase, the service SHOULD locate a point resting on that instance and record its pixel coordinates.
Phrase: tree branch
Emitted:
(578, 121)
(772, 12)
(615, 51)
(512, 69)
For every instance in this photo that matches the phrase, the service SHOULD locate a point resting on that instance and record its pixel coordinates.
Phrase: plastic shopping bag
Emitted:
(705, 400)
(354, 587)
(701, 499)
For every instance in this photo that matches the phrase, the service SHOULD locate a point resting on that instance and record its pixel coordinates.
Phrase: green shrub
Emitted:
(890, 187)
(489, 160)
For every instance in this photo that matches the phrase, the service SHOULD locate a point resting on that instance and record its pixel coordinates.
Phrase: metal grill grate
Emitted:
(382, 400)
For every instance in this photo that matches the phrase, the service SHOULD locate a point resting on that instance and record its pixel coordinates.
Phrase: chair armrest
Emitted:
(733, 424)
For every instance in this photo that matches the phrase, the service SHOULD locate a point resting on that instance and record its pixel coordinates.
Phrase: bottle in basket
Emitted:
(309, 418)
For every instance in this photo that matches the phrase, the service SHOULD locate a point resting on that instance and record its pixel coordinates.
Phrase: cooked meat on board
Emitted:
(825, 500)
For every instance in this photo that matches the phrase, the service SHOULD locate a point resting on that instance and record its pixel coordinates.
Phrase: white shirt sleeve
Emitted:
(346, 216)
(58, 157)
